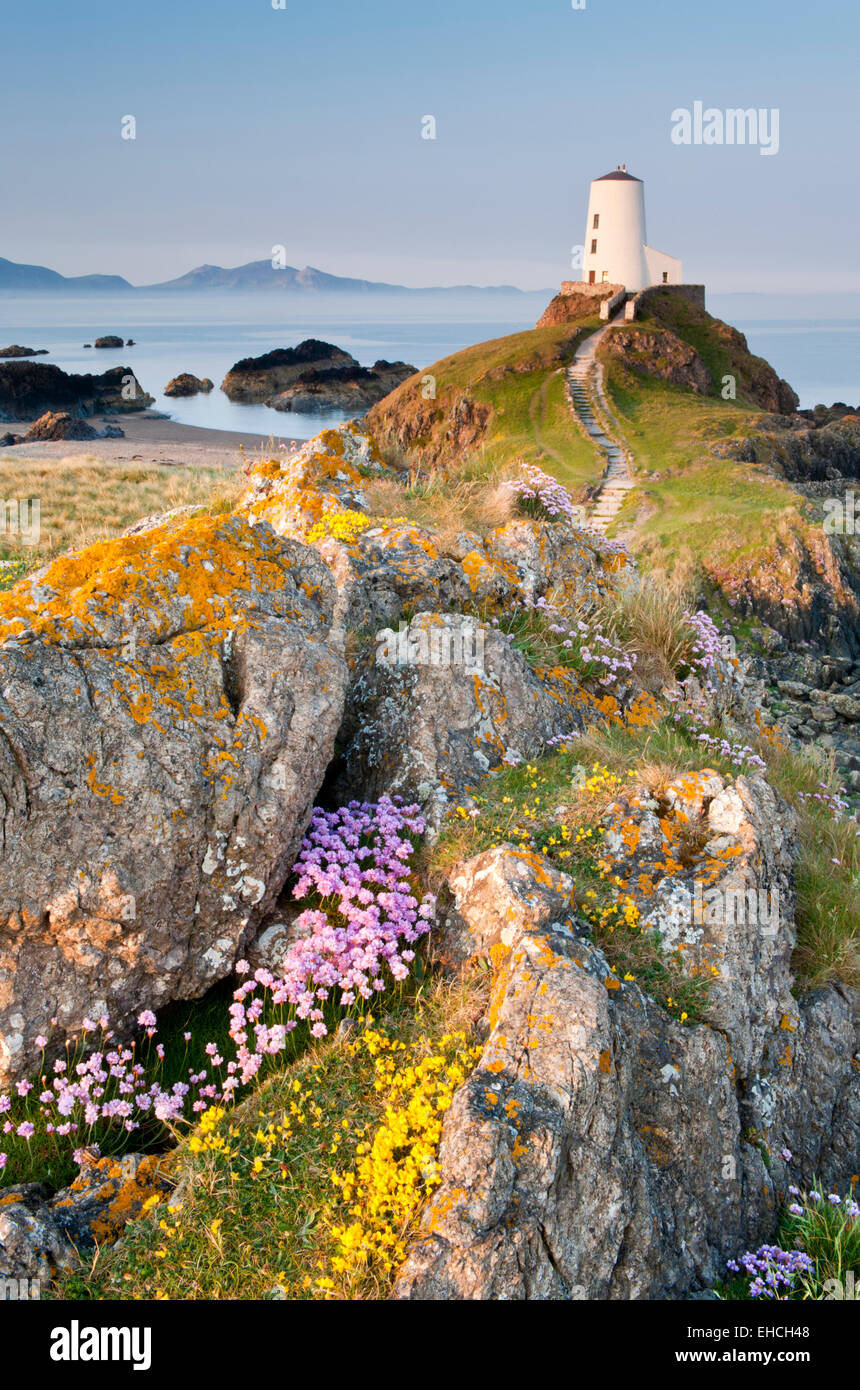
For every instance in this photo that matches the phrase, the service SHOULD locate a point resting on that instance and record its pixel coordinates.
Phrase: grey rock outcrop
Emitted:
(441, 703)
(29, 389)
(168, 707)
(601, 1149)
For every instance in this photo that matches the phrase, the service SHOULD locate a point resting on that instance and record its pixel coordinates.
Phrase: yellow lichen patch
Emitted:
(115, 1196)
(643, 711)
(100, 788)
(194, 566)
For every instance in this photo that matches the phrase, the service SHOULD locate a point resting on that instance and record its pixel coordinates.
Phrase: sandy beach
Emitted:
(150, 438)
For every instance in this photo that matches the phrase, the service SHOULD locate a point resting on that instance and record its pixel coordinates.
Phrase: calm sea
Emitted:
(820, 357)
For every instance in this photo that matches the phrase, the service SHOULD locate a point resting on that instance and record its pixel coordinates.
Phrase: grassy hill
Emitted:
(686, 392)
(487, 406)
(668, 321)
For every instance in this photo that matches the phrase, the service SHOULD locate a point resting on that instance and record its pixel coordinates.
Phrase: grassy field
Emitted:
(533, 422)
(84, 500)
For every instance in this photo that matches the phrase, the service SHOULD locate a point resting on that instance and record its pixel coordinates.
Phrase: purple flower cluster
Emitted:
(355, 860)
(542, 494)
(108, 1085)
(594, 648)
(739, 754)
(598, 649)
(835, 804)
(771, 1270)
(850, 1207)
(708, 642)
(354, 866)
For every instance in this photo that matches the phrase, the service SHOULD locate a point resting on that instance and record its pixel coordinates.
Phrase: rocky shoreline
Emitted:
(30, 389)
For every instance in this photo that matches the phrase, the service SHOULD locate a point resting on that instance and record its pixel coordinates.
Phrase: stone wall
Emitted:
(601, 291)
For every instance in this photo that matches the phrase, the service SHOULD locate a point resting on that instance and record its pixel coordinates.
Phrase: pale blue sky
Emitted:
(302, 126)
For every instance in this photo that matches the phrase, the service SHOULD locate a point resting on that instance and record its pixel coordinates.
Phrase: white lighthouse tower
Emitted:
(616, 249)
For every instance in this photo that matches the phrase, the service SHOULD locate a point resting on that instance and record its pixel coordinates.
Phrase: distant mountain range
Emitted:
(38, 277)
(255, 276)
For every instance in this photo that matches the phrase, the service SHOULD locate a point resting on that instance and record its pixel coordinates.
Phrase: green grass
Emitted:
(521, 379)
(826, 871)
(533, 422)
(694, 514)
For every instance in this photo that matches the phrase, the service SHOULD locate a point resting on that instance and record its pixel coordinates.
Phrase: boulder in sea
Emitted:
(258, 379)
(110, 340)
(352, 389)
(15, 350)
(186, 384)
(313, 376)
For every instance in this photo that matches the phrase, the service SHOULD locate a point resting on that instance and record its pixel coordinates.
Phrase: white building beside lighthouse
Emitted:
(616, 248)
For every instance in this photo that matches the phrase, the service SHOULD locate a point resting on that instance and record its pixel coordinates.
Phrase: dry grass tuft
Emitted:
(447, 505)
(648, 619)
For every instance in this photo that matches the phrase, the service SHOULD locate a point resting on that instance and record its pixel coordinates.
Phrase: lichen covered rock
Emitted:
(459, 702)
(168, 707)
(601, 1149)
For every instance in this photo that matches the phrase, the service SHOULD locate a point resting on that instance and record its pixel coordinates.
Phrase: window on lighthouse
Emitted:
(594, 246)
(604, 276)
(596, 222)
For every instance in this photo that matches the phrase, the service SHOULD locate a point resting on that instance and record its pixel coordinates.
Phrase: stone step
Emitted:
(617, 481)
